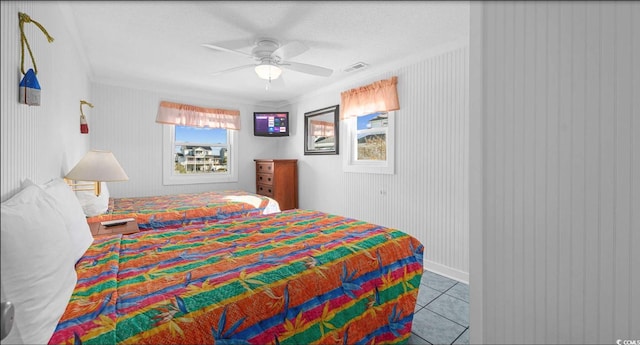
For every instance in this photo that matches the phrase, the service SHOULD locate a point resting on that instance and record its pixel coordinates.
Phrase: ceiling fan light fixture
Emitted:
(268, 71)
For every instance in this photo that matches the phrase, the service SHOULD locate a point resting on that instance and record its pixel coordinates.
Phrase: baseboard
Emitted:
(447, 271)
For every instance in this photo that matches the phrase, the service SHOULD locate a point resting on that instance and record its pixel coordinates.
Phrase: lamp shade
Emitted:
(268, 71)
(98, 165)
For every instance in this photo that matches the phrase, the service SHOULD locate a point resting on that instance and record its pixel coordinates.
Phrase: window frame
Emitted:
(351, 164)
(168, 162)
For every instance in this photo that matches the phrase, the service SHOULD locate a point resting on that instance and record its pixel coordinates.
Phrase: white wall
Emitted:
(123, 121)
(427, 197)
(560, 130)
(40, 142)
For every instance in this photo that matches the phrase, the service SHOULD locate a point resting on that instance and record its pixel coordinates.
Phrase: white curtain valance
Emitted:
(189, 115)
(381, 95)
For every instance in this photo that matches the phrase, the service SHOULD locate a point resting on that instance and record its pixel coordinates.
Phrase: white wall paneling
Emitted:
(123, 121)
(428, 195)
(40, 142)
(561, 172)
(476, 239)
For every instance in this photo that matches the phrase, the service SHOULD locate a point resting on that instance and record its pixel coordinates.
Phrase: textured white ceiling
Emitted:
(150, 42)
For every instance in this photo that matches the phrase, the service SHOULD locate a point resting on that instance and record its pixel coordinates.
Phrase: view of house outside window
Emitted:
(201, 150)
(371, 137)
(370, 143)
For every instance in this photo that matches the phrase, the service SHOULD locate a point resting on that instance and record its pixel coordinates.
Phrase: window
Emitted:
(370, 143)
(199, 155)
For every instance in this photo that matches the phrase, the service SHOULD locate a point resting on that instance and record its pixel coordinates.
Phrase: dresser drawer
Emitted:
(265, 179)
(278, 179)
(264, 167)
(265, 190)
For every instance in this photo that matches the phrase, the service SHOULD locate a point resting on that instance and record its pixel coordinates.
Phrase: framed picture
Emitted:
(321, 131)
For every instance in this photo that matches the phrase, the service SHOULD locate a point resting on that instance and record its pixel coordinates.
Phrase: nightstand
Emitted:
(130, 227)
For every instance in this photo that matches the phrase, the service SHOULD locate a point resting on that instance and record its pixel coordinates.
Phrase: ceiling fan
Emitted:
(272, 58)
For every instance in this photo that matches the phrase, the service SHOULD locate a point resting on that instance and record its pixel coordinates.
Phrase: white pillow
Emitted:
(93, 205)
(73, 215)
(38, 272)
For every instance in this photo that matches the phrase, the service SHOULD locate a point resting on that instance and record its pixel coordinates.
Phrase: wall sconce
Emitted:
(97, 166)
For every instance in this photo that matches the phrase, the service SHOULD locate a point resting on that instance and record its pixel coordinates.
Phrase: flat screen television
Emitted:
(271, 124)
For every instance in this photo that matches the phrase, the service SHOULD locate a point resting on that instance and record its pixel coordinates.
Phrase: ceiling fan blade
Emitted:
(241, 44)
(233, 69)
(290, 50)
(305, 68)
(215, 47)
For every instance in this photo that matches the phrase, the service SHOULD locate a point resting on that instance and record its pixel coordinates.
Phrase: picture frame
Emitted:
(321, 131)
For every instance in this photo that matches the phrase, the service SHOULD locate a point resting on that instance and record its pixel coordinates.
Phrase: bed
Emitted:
(297, 277)
(292, 277)
(174, 211)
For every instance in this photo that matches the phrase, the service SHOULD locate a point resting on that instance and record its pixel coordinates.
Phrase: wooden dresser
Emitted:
(278, 179)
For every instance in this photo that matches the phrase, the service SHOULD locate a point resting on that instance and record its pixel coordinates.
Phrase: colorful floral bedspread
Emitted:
(174, 211)
(296, 277)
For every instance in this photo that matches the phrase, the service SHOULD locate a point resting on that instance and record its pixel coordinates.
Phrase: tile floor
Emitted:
(442, 311)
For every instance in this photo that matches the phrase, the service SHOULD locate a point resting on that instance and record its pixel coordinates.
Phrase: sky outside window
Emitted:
(201, 135)
(363, 121)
